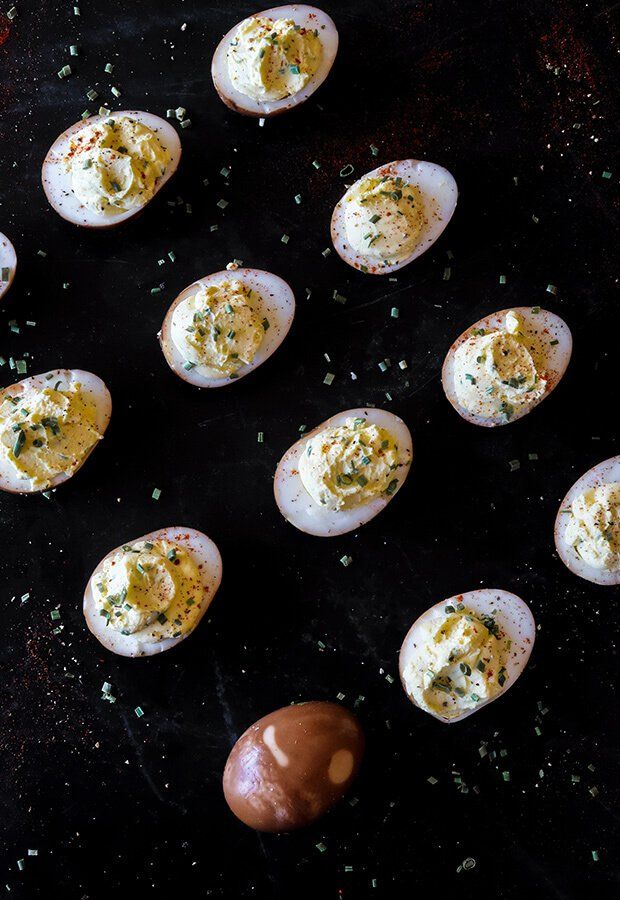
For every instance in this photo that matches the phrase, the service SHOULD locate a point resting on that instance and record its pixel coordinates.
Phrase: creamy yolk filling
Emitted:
(497, 372)
(345, 465)
(217, 329)
(384, 218)
(151, 588)
(45, 432)
(115, 164)
(270, 59)
(594, 526)
(461, 661)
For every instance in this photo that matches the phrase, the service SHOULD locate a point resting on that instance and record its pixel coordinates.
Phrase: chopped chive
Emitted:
(298, 198)
(552, 289)
(316, 164)
(329, 378)
(374, 150)
(73, 50)
(109, 68)
(156, 494)
(502, 279)
(139, 711)
(346, 560)
(260, 437)
(222, 204)
(185, 123)
(395, 312)
(326, 252)
(285, 238)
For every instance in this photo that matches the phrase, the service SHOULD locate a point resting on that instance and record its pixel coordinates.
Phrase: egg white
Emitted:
(439, 195)
(206, 556)
(8, 260)
(92, 386)
(306, 17)
(513, 616)
(57, 182)
(557, 358)
(302, 511)
(272, 299)
(604, 472)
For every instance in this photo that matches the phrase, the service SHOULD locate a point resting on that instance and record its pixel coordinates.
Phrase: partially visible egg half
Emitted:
(36, 432)
(8, 264)
(392, 215)
(149, 594)
(211, 342)
(57, 172)
(528, 352)
(488, 636)
(587, 526)
(312, 515)
(289, 768)
(265, 53)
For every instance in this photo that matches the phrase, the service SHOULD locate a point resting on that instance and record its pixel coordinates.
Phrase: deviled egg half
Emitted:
(465, 652)
(225, 325)
(274, 60)
(146, 596)
(506, 364)
(587, 527)
(106, 169)
(392, 215)
(342, 473)
(49, 426)
(8, 264)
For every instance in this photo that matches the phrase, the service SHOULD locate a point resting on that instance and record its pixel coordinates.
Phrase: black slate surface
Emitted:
(518, 101)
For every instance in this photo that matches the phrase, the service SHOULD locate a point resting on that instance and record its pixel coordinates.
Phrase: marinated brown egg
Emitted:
(292, 766)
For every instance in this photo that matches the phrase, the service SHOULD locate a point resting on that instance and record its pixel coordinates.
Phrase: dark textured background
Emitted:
(518, 101)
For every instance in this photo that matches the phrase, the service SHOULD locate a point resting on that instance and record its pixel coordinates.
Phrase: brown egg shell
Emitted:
(277, 304)
(558, 358)
(8, 260)
(93, 385)
(605, 472)
(292, 766)
(57, 182)
(306, 17)
(207, 557)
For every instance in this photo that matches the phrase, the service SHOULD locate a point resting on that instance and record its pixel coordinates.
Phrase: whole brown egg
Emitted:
(293, 765)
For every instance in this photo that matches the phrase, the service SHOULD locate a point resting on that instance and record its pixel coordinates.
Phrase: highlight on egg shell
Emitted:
(587, 526)
(392, 215)
(149, 594)
(505, 364)
(118, 174)
(465, 652)
(344, 497)
(8, 264)
(49, 426)
(292, 766)
(265, 65)
(223, 326)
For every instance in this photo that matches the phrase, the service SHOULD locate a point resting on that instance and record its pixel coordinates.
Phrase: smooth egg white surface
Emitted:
(92, 386)
(308, 17)
(546, 326)
(57, 182)
(439, 195)
(206, 556)
(272, 299)
(514, 619)
(605, 472)
(302, 511)
(8, 260)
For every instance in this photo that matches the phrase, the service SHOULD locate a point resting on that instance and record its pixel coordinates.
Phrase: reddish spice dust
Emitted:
(5, 31)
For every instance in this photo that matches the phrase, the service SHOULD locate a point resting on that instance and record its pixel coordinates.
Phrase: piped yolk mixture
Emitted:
(498, 372)
(218, 329)
(383, 218)
(270, 59)
(45, 432)
(345, 465)
(593, 528)
(460, 661)
(151, 588)
(115, 164)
